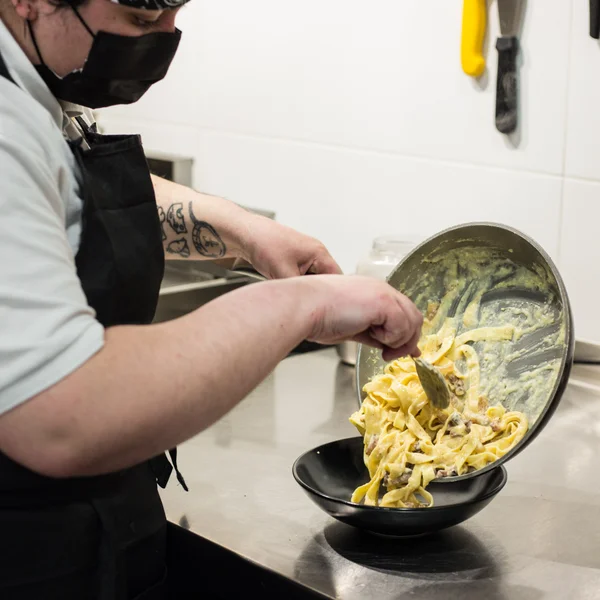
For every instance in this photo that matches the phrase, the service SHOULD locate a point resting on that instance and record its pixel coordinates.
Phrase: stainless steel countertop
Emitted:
(540, 538)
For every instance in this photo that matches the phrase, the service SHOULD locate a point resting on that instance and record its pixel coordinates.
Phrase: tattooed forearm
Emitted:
(175, 218)
(179, 247)
(205, 238)
(161, 217)
(185, 232)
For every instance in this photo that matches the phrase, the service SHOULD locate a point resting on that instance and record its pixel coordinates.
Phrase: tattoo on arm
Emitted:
(161, 218)
(175, 218)
(206, 239)
(179, 247)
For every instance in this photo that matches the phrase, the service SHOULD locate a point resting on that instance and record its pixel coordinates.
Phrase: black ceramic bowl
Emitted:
(330, 473)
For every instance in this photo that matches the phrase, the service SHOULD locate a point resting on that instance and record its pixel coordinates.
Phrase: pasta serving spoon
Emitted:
(433, 382)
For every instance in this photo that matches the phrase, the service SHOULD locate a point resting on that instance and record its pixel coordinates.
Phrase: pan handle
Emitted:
(507, 84)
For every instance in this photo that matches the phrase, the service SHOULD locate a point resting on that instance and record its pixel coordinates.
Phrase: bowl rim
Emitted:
(495, 491)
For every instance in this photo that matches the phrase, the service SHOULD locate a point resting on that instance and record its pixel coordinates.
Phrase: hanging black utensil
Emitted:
(595, 19)
(507, 82)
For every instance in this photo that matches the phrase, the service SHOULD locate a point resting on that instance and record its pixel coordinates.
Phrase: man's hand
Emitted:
(279, 252)
(365, 310)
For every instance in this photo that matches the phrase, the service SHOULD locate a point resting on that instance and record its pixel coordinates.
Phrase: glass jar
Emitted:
(387, 251)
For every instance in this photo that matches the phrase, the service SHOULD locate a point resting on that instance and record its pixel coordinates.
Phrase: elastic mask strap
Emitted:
(35, 44)
(81, 19)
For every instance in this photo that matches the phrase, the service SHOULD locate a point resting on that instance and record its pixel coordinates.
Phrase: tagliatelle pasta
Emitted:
(408, 442)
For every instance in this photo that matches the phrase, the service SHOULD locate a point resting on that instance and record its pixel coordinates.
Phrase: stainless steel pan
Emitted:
(550, 348)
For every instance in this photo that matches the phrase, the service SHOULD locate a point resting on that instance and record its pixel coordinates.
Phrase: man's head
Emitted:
(96, 52)
(64, 41)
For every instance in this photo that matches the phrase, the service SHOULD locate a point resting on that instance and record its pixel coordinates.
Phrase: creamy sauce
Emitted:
(479, 289)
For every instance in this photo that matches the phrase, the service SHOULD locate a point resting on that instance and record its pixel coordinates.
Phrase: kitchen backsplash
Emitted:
(352, 119)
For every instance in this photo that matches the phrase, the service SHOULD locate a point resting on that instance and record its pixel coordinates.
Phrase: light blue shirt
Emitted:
(47, 328)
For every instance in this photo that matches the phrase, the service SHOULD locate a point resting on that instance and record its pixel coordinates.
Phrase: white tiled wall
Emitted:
(580, 253)
(353, 119)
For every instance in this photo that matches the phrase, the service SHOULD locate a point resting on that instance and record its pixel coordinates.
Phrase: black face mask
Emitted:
(119, 69)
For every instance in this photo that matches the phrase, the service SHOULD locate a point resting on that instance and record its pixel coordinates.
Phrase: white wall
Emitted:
(353, 119)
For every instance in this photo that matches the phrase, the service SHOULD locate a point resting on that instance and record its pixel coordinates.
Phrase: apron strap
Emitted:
(173, 455)
(85, 127)
(162, 469)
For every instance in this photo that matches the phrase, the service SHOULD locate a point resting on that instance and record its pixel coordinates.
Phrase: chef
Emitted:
(93, 397)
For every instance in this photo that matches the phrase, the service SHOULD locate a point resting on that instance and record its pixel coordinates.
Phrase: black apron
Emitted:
(96, 538)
